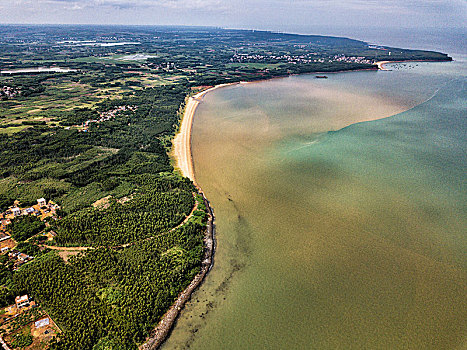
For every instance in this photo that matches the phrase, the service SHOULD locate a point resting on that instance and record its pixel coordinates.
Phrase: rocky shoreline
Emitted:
(165, 326)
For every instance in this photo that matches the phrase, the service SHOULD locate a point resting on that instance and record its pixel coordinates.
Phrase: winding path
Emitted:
(74, 249)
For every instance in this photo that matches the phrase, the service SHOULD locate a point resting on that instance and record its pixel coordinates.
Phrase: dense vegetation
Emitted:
(114, 294)
(112, 177)
(158, 205)
(25, 227)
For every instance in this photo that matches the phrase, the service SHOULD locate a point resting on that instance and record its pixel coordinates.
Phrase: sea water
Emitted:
(340, 209)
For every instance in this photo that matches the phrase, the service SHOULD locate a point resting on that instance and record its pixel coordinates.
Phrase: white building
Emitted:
(42, 202)
(21, 301)
(42, 322)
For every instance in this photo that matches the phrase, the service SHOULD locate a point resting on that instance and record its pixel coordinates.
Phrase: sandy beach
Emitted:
(184, 163)
(182, 141)
(381, 64)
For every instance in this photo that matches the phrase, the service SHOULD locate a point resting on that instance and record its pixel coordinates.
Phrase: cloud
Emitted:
(239, 13)
(378, 6)
(130, 5)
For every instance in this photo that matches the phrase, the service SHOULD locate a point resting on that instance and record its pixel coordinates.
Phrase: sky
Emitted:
(280, 15)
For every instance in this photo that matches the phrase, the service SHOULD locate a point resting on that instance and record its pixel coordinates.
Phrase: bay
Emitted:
(340, 209)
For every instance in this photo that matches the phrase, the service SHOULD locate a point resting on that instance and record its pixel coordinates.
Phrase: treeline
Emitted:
(79, 116)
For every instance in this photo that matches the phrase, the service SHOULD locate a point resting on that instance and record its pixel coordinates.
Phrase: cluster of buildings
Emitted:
(19, 259)
(165, 66)
(104, 116)
(9, 92)
(352, 59)
(38, 324)
(42, 210)
(296, 59)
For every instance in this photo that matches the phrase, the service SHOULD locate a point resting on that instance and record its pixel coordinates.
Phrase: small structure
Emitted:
(13, 254)
(22, 301)
(23, 257)
(16, 211)
(42, 202)
(30, 210)
(4, 237)
(42, 322)
(4, 249)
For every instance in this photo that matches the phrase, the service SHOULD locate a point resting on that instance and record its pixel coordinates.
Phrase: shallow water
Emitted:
(334, 231)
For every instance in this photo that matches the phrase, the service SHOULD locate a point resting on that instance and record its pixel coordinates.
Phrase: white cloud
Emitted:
(239, 13)
(127, 4)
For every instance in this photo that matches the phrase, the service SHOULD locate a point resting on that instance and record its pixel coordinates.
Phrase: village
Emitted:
(297, 59)
(104, 116)
(43, 211)
(24, 325)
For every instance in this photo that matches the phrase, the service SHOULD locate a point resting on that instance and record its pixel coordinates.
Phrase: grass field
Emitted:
(63, 94)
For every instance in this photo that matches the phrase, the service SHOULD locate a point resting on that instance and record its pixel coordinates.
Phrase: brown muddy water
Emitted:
(334, 231)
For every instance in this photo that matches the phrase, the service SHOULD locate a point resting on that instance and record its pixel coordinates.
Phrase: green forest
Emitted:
(116, 293)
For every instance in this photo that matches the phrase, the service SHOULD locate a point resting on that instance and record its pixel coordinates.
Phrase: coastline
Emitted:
(184, 163)
(206, 323)
(167, 322)
(181, 153)
(182, 140)
(381, 64)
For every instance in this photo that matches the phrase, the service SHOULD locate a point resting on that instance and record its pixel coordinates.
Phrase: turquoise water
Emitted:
(341, 213)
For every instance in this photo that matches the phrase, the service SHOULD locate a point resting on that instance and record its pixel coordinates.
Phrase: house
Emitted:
(42, 322)
(4, 249)
(29, 210)
(42, 202)
(22, 301)
(16, 211)
(54, 206)
(13, 254)
(23, 257)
